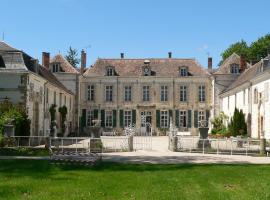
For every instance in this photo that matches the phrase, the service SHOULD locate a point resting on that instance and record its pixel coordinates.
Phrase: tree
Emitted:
(72, 57)
(240, 48)
(238, 124)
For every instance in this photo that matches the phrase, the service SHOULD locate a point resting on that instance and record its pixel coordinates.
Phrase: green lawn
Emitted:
(41, 180)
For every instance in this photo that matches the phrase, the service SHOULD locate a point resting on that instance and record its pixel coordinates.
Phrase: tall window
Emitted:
(90, 92)
(183, 71)
(110, 71)
(56, 67)
(65, 100)
(255, 96)
(47, 95)
(164, 93)
(127, 118)
(235, 69)
(201, 117)
(60, 99)
(108, 118)
(183, 93)
(201, 93)
(90, 117)
(183, 119)
(109, 93)
(146, 93)
(164, 119)
(127, 93)
(54, 97)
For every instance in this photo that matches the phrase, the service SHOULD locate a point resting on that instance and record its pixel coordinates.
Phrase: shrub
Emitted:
(237, 125)
(219, 123)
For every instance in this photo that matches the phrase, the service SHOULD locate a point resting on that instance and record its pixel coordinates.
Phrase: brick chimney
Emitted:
(243, 63)
(122, 55)
(210, 63)
(169, 54)
(83, 61)
(46, 59)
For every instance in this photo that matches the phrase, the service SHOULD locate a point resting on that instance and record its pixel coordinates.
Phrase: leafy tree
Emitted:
(241, 48)
(238, 124)
(259, 49)
(72, 57)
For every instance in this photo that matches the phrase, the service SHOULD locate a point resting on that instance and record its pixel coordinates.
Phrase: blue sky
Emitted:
(139, 28)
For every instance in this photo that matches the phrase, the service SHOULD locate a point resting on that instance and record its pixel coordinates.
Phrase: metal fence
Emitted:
(115, 143)
(229, 146)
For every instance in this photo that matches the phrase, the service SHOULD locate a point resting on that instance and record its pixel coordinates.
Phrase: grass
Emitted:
(22, 179)
(23, 152)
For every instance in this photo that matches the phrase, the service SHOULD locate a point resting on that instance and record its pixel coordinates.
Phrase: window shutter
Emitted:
(196, 118)
(121, 118)
(177, 118)
(95, 113)
(102, 112)
(189, 118)
(134, 117)
(207, 115)
(158, 118)
(114, 118)
(83, 117)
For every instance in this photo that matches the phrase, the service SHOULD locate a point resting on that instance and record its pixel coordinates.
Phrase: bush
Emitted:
(238, 124)
(219, 123)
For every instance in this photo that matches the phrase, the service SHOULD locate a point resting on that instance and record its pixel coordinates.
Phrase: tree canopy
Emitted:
(72, 57)
(253, 52)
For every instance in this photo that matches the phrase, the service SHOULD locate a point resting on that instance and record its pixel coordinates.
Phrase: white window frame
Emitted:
(127, 118)
(202, 93)
(108, 118)
(55, 67)
(183, 93)
(110, 71)
(183, 123)
(164, 119)
(235, 69)
(109, 93)
(146, 93)
(128, 93)
(90, 92)
(183, 71)
(90, 118)
(164, 93)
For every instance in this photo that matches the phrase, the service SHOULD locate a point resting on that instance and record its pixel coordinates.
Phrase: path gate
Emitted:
(143, 138)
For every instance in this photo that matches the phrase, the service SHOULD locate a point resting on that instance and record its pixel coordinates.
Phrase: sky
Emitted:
(138, 28)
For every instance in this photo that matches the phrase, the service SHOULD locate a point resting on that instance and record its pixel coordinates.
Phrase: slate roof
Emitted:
(5, 47)
(167, 67)
(64, 64)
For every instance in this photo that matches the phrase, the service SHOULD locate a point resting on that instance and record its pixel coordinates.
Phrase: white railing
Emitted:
(26, 141)
(115, 143)
(231, 146)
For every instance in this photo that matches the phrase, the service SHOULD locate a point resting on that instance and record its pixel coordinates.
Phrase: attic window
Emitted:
(56, 67)
(147, 71)
(235, 69)
(183, 71)
(110, 71)
(2, 63)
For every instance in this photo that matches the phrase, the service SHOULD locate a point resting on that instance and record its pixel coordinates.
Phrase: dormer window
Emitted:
(110, 71)
(147, 71)
(235, 69)
(183, 71)
(55, 67)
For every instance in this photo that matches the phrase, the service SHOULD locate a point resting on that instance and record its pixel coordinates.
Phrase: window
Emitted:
(183, 119)
(110, 71)
(164, 93)
(65, 100)
(108, 118)
(255, 96)
(90, 92)
(235, 69)
(90, 118)
(201, 117)
(70, 103)
(60, 99)
(164, 119)
(146, 94)
(127, 93)
(109, 93)
(183, 71)
(201, 93)
(47, 95)
(147, 71)
(56, 67)
(127, 118)
(183, 93)
(54, 97)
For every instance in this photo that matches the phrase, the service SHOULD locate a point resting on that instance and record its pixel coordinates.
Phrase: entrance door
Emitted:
(146, 121)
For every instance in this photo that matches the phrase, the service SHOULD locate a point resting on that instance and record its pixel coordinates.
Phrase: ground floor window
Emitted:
(183, 119)
(90, 117)
(201, 117)
(108, 118)
(127, 118)
(164, 119)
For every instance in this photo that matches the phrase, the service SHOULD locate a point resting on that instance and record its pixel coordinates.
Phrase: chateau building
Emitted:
(24, 81)
(120, 92)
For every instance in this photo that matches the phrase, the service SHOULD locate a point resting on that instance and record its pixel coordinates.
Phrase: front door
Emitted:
(146, 121)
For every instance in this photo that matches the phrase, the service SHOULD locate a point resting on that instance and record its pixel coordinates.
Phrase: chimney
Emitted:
(243, 63)
(46, 59)
(122, 55)
(83, 61)
(170, 54)
(210, 63)
(35, 65)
